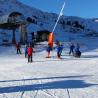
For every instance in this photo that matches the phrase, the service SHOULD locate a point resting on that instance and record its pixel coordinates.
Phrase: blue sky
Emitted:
(81, 8)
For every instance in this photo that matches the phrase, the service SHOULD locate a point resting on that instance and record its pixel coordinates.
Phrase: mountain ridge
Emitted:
(46, 21)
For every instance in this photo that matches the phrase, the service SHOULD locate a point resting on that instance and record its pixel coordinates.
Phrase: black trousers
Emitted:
(18, 51)
(71, 51)
(29, 58)
(59, 54)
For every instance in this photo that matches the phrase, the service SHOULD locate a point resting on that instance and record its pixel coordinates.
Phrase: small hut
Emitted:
(42, 35)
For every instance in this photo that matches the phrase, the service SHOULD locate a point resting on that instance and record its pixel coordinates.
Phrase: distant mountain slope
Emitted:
(46, 21)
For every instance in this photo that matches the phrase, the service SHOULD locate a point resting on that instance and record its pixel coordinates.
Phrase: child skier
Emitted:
(49, 48)
(18, 48)
(71, 49)
(30, 51)
(59, 50)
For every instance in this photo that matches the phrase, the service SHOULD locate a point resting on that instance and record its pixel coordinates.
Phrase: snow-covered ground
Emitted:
(50, 77)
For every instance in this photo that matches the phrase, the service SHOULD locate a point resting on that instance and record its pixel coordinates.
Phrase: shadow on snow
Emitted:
(57, 84)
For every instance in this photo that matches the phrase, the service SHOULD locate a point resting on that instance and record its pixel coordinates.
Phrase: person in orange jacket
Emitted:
(30, 51)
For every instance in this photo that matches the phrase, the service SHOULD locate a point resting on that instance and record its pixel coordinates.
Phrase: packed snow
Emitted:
(69, 77)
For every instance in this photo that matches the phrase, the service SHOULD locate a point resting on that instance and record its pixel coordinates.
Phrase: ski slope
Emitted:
(50, 77)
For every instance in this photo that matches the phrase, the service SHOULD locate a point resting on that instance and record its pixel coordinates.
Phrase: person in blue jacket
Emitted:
(26, 50)
(71, 49)
(49, 49)
(59, 50)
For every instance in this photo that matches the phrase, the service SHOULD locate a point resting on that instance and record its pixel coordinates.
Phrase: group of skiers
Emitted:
(59, 48)
(28, 51)
(74, 50)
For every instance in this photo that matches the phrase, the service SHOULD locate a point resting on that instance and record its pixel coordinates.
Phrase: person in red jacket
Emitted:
(30, 51)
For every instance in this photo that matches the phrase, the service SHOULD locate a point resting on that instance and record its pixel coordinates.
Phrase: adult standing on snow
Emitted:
(30, 51)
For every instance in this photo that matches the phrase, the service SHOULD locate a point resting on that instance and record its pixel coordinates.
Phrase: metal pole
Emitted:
(13, 37)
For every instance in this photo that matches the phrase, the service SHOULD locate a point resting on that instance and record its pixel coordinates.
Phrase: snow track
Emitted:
(48, 78)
